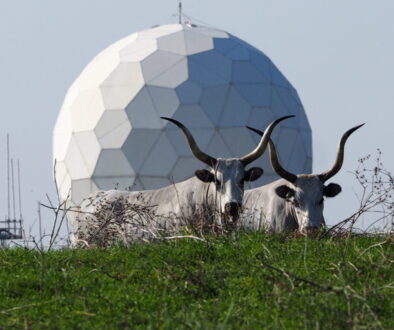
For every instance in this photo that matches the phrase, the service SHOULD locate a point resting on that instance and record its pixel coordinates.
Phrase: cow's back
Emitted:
(264, 209)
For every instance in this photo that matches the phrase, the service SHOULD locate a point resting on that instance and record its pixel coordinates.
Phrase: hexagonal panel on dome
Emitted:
(80, 188)
(214, 62)
(89, 148)
(262, 63)
(238, 53)
(165, 100)
(141, 111)
(236, 110)
(109, 121)
(160, 160)
(278, 78)
(204, 77)
(307, 140)
(296, 163)
(112, 161)
(308, 165)
(138, 146)
(193, 116)
(213, 100)
(189, 93)
(125, 74)
(173, 77)
(173, 43)
(63, 123)
(285, 145)
(116, 137)
(202, 136)
(278, 105)
(258, 95)
(260, 118)
(225, 45)
(245, 72)
(137, 50)
(61, 143)
(93, 75)
(239, 139)
(75, 162)
(218, 148)
(197, 42)
(182, 168)
(303, 120)
(109, 133)
(86, 110)
(158, 62)
(118, 97)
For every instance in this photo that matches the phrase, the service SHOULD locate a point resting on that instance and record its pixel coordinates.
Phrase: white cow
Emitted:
(294, 202)
(221, 189)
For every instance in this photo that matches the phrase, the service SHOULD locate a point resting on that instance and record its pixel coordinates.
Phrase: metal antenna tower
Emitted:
(180, 12)
(8, 176)
(11, 228)
(13, 188)
(19, 192)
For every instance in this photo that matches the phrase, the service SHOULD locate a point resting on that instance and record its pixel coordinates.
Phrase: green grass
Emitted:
(258, 281)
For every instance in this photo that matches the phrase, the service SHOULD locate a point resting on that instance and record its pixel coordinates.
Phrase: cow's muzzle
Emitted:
(233, 209)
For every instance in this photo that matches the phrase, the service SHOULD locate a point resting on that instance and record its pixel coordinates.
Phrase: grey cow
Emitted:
(295, 202)
(221, 188)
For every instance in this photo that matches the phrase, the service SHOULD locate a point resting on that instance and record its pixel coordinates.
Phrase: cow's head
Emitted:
(228, 175)
(306, 192)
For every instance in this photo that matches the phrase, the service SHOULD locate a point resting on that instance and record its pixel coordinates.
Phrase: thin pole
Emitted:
(39, 225)
(8, 176)
(19, 192)
(180, 12)
(13, 188)
(13, 194)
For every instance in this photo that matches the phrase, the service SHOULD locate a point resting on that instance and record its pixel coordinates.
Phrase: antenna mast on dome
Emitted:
(180, 12)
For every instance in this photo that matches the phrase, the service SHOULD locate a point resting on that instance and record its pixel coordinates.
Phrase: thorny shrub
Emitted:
(376, 202)
(121, 221)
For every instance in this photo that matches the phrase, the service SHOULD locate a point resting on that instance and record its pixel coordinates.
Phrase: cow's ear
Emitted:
(332, 190)
(205, 175)
(284, 191)
(253, 174)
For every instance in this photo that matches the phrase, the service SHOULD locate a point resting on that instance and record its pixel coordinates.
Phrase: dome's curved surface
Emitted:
(109, 132)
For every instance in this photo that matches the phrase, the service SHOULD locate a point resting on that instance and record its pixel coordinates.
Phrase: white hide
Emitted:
(168, 209)
(264, 209)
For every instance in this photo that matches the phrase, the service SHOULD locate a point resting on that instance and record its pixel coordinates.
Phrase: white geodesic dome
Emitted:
(109, 132)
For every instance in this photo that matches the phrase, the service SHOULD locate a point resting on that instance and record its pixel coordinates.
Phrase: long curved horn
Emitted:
(200, 155)
(274, 159)
(256, 153)
(340, 155)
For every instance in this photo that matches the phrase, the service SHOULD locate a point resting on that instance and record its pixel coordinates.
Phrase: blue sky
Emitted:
(337, 54)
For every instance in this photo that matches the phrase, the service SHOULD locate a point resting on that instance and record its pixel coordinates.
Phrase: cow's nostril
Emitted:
(232, 208)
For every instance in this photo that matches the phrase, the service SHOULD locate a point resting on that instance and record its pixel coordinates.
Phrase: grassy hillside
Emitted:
(256, 282)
